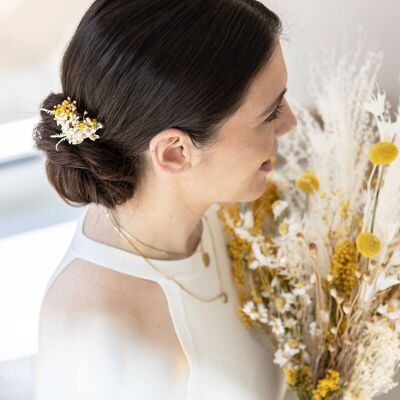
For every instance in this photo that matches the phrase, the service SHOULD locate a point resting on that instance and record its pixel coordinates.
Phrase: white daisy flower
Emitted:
(281, 304)
(292, 347)
(280, 358)
(260, 258)
(277, 327)
(249, 309)
(263, 313)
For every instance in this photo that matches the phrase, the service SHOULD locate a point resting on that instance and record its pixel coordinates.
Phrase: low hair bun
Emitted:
(90, 172)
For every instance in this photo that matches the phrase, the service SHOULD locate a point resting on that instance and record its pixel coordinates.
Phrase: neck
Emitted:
(169, 225)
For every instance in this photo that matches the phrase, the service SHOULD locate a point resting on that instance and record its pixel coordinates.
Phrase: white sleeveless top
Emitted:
(226, 360)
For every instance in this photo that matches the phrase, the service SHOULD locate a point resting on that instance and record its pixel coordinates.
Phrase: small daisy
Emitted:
(260, 258)
(249, 309)
(292, 347)
(280, 358)
(263, 313)
(277, 327)
(281, 304)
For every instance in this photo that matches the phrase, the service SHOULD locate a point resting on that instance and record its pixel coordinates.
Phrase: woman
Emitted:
(190, 95)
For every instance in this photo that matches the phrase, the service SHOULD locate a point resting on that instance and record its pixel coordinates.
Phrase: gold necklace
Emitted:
(205, 255)
(120, 231)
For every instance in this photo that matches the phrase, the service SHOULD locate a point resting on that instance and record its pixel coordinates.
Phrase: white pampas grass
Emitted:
(373, 370)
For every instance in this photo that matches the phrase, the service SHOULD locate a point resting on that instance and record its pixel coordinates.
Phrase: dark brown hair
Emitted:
(142, 66)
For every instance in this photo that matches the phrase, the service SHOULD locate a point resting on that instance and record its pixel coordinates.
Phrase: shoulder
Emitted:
(84, 288)
(97, 323)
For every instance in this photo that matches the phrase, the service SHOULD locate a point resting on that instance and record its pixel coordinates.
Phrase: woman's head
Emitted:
(178, 85)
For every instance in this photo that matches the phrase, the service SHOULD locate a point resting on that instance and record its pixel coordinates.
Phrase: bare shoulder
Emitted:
(84, 288)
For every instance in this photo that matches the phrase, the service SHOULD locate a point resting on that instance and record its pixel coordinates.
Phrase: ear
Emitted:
(170, 151)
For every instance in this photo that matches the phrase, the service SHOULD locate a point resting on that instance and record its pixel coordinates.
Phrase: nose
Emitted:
(289, 124)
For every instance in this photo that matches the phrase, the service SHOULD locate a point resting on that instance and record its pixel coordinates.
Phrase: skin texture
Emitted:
(181, 181)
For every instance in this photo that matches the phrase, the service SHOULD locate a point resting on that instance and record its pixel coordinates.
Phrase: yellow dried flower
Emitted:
(243, 299)
(74, 130)
(327, 385)
(290, 375)
(298, 378)
(383, 153)
(247, 321)
(343, 267)
(283, 228)
(368, 244)
(255, 296)
(308, 182)
(262, 207)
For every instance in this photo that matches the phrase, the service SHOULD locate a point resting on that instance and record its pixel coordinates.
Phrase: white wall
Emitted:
(311, 24)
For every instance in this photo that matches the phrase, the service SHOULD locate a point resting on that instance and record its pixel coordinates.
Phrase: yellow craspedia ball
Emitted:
(368, 244)
(308, 182)
(383, 153)
(274, 160)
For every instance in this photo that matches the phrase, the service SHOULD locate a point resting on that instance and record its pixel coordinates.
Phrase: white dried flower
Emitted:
(249, 309)
(314, 330)
(280, 358)
(277, 326)
(263, 313)
(390, 310)
(376, 103)
(374, 366)
(292, 347)
(278, 207)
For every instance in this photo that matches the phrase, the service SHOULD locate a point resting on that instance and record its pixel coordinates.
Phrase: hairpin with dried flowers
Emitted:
(74, 129)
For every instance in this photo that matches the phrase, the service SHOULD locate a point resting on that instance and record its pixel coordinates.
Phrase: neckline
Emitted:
(180, 267)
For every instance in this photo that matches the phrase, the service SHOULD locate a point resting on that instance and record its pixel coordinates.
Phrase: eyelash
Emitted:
(275, 114)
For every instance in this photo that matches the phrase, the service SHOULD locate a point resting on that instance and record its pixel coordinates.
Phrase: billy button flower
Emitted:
(383, 153)
(308, 182)
(368, 244)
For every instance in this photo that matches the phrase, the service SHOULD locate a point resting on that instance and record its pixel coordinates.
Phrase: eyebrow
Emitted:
(273, 105)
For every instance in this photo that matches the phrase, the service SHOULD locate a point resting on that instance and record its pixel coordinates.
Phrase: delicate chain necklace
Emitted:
(205, 255)
(125, 236)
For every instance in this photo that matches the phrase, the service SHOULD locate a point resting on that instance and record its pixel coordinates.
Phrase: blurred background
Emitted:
(36, 225)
